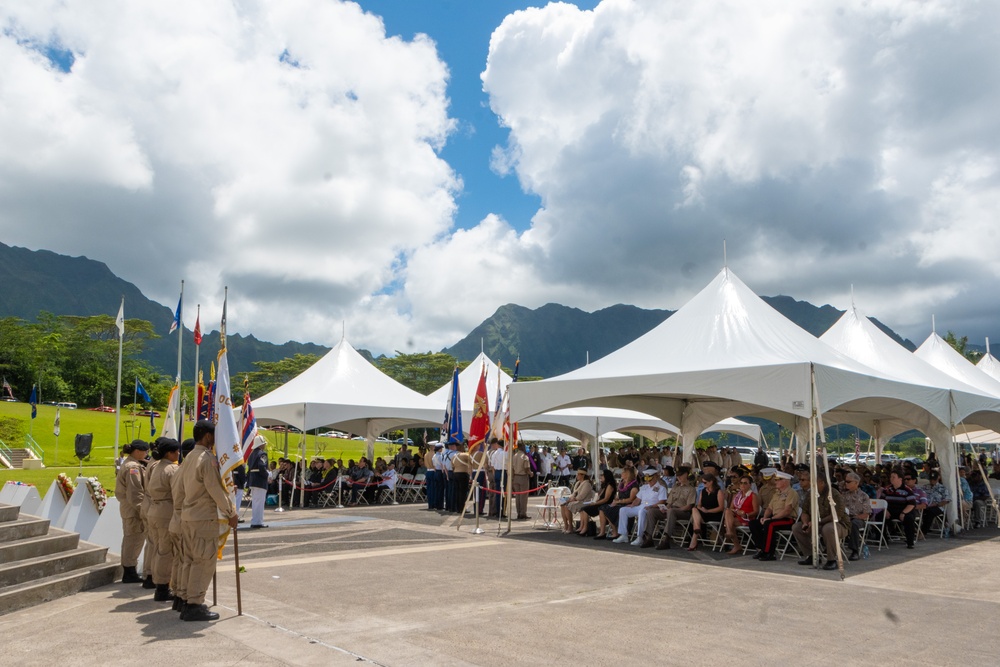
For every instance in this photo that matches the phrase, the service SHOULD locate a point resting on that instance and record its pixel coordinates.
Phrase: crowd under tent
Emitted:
(727, 353)
(344, 390)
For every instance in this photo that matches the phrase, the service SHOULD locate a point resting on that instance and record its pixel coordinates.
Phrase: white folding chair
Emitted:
(876, 527)
(548, 511)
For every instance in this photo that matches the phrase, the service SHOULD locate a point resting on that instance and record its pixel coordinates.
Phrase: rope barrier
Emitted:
(517, 493)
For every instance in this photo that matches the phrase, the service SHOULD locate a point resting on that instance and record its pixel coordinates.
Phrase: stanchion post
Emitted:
(340, 489)
(215, 592)
(236, 556)
(280, 487)
(477, 530)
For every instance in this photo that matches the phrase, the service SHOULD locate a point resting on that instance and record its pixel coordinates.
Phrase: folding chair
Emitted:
(548, 511)
(419, 493)
(404, 488)
(876, 526)
(938, 525)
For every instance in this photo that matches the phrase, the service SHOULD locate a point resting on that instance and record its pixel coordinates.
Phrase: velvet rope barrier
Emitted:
(517, 493)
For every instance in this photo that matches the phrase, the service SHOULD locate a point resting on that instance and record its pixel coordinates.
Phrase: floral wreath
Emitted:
(65, 485)
(97, 493)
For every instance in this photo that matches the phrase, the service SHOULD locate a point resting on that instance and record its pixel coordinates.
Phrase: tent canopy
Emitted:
(343, 390)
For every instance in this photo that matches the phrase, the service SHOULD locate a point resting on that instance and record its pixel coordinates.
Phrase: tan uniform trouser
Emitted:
(803, 536)
(520, 483)
(199, 545)
(160, 557)
(133, 537)
(178, 571)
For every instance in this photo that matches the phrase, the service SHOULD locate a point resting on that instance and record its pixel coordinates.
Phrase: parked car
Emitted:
(103, 408)
(400, 441)
(333, 434)
(69, 405)
(147, 413)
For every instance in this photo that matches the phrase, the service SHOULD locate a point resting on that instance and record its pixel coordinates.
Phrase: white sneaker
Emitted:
(621, 539)
(636, 542)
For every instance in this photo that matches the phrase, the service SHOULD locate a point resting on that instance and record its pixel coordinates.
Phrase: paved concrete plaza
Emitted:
(398, 585)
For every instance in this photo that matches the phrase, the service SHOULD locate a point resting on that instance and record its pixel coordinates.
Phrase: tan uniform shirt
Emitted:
(462, 462)
(680, 496)
(779, 501)
(520, 464)
(129, 488)
(158, 489)
(766, 492)
(177, 498)
(204, 495)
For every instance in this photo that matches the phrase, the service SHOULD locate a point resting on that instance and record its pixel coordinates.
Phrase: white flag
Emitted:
(227, 438)
(120, 320)
(169, 424)
(55, 427)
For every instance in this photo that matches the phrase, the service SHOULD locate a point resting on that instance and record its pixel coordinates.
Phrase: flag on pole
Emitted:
(34, 402)
(152, 424)
(857, 447)
(169, 423)
(479, 428)
(177, 316)
(227, 435)
(453, 415)
(120, 320)
(197, 330)
(55, 426)
(199, 406)
(6, 386)
(249, 426)
(141, 391)
(517, 368)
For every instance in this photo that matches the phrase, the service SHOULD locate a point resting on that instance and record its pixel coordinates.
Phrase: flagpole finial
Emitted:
(852, 296)
(933, 325)
(987, 345)
(725, 258)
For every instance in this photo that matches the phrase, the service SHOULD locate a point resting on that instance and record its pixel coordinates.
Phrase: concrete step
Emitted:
(23, 527)
(43, 545)
(55, 586)
(40, 567)
(9, 513)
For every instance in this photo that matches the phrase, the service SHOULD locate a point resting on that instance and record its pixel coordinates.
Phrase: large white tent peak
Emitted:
(938, 353)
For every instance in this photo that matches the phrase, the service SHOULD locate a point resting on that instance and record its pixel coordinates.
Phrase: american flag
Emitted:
(249, 431)
(857, 447)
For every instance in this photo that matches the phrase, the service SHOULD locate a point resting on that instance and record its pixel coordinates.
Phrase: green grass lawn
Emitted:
(60, 457)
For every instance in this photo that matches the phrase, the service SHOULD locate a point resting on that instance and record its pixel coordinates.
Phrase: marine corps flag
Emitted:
(479, 428)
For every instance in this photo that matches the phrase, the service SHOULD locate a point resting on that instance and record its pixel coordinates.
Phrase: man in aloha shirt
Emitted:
(938, 497)
(858, 506)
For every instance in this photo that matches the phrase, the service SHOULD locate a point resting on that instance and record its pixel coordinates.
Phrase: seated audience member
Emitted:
(589, 510)
(831, 527)
(980, 498)
(902, 506)
(677, 507)
(744, 506)
(388, 478)
(627, 490)
(780, 513)
(938, 497)
(964, 489)
(858, 506)
(651, 493)
(709, 508)
(314, 479)
(767, 485)
(867, 485)
(583, 492)
(360, 478)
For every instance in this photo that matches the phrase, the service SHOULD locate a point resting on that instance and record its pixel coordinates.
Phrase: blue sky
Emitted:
(461, 29)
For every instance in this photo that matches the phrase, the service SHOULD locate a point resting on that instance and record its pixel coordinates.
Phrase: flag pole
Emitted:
(135, 398)
(180, 340)
(194, 378)
(236, 557)
(120, 323)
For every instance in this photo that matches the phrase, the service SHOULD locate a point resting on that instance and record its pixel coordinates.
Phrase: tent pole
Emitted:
(302, 462)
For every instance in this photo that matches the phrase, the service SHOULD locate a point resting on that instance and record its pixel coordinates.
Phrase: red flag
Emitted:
(197, 330)
(479, 428)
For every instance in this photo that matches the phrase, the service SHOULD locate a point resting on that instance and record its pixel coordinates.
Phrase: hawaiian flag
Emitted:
(177, 316)
(249, 431)
(453, 414)
(479, 429)
(6, 386)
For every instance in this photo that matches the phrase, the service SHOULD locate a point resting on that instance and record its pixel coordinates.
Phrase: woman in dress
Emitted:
(589, 510)
(628, 489)
(583, 491)
(711, 504)
(744, 506)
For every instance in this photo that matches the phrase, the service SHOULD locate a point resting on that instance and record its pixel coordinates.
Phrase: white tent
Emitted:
(343, 390)
(535, 435)
(939, 354)
(857, 337)
(989, 364)
(727, 353)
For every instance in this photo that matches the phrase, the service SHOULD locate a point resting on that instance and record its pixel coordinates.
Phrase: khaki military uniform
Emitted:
(161, 510)
(130, 492)
(149, 549)
(178, 570)
(520, 478)
(205, 499)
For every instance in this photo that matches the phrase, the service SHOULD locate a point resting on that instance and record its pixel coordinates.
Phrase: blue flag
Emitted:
(455, 412)
(141, 391)
(34, 402)
(177, 316)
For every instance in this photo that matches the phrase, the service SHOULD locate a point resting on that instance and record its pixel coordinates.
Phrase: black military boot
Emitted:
(198, 612)
(178, 604)
(130, 576)
(148, 583)
(162, 593)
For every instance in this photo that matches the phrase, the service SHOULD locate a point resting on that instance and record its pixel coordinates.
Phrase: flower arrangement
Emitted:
(97, 493)
(65, 485)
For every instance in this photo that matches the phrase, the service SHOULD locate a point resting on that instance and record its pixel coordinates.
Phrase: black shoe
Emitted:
(909, 546)
(808, 560)
(854, 556)
(198, 612)
(768, 557)
(162, 593)
(130, 576)
(178, 604)
(601, 537)
(259, 525)
(663, 545)
(646, 544)
(243, 521)
(830, 565)
(757, 555)
(148, 583)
